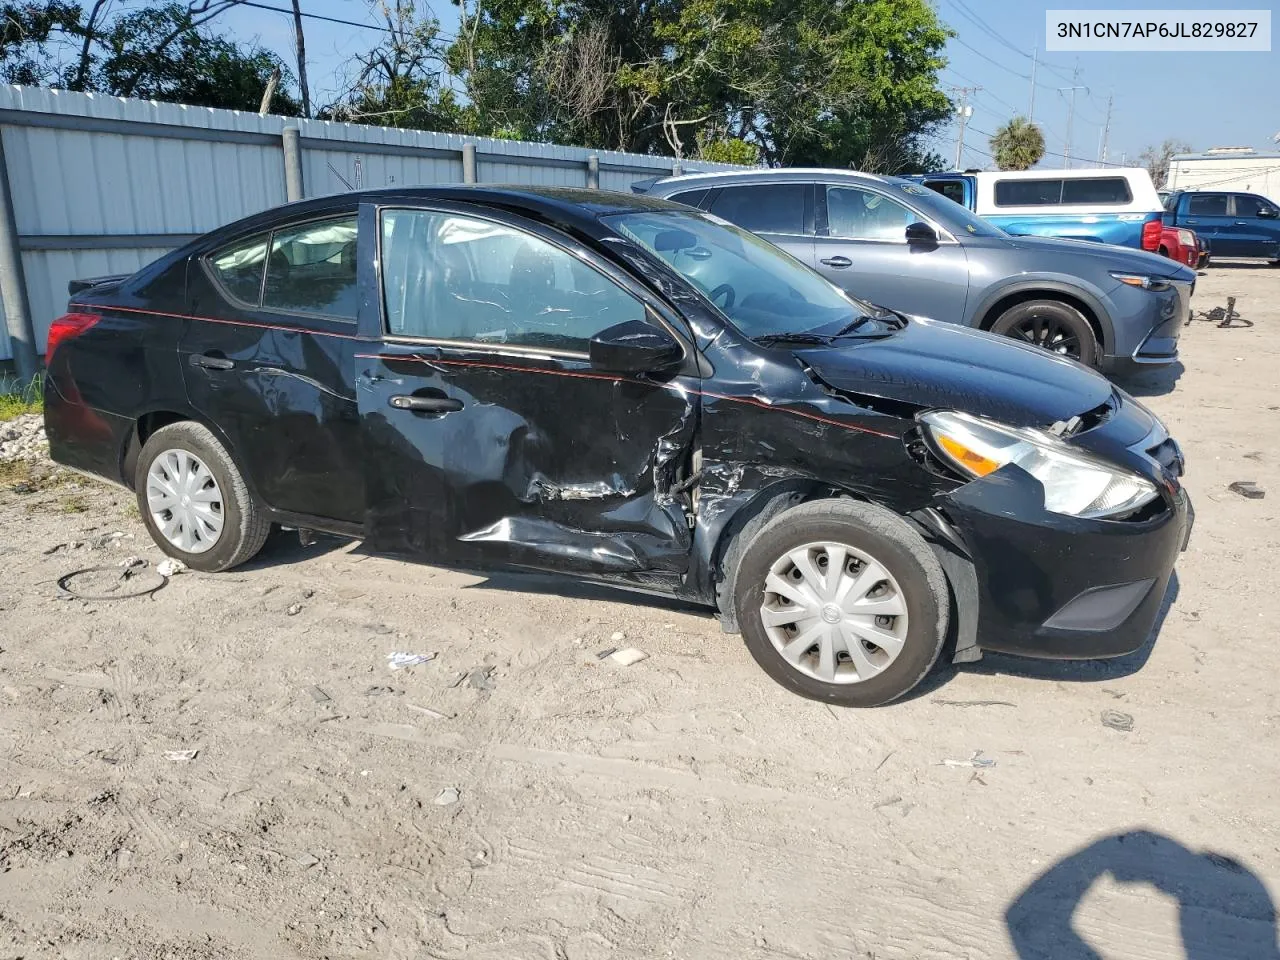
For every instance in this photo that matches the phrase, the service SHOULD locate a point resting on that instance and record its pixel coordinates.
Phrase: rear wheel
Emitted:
(1051, 325)
(842, 602)
(194, 502)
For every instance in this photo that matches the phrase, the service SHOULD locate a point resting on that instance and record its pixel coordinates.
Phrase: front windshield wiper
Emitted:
(854, 324)
(783, 337)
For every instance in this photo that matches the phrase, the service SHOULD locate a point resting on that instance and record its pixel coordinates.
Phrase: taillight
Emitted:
(1151, 231)
(66, 327)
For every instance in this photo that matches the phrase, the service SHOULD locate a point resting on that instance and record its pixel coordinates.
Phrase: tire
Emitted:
(913, 582)
(1044, 323)
(243, 525)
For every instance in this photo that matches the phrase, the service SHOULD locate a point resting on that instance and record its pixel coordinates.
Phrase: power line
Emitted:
(338, 20)
(1021, 76)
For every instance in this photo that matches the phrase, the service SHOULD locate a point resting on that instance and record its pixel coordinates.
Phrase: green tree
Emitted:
(1018, 145)
(28, 32)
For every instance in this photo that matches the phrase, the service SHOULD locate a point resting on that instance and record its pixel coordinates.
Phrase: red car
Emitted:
(1181, 244)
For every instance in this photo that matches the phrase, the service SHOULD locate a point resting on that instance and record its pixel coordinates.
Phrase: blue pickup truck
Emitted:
(1229, 224)
(1117, 206)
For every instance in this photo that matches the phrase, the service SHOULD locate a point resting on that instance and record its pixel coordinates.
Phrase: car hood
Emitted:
(1110, 256)
(930, 364)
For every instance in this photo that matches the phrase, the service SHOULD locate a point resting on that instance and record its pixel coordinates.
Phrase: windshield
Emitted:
(762, 289)
(960, 220)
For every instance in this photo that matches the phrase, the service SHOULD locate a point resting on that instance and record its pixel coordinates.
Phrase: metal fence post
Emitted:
(593, 172)
(469, 163)
(13, 283)
(676, 169)
(292, 164)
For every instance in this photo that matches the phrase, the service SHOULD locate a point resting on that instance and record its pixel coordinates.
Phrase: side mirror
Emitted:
(634, 347)
(921, 232)
(1269, 213)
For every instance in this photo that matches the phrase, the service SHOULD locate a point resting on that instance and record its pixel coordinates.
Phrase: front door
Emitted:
(267, 354)
(861, 246)
(1256, 224)
(489, 439)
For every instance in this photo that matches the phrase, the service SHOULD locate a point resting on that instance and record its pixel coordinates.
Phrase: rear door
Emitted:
(1256, 225)
(1208, 214)
(489, 439)
(781, 212)
(861, 246)
(267, 355)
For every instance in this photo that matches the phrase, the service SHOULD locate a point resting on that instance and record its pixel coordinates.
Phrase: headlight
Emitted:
(1075, 483)
(1138, 280)
(1186, 238)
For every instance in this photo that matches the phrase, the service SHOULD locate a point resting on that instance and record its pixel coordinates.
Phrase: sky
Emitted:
(1205, 99)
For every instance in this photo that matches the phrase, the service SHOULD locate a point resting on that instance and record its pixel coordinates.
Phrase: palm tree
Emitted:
(1018, 145)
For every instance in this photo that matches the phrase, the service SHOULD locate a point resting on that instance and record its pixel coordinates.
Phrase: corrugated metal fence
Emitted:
(103, 185)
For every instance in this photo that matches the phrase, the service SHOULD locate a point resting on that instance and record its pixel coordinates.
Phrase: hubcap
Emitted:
(834, 612)
(184, 501)
(1050, 334)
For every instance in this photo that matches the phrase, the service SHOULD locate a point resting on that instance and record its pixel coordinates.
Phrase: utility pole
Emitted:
(1106, 131)
(1031, 107)
(1071, 115)
(964, 111)
(301, 48)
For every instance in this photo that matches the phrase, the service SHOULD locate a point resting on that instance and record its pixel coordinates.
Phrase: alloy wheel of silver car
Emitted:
(834, 612)
(185, 501)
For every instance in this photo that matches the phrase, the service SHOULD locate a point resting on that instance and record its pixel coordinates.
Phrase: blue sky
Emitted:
(1206, 99)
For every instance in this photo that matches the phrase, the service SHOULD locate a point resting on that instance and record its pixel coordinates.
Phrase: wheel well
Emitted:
(146, 425)
(747, 519)
(1022, 296)
(1163, 251)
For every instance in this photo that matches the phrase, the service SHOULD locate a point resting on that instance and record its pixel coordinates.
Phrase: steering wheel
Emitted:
(730, 297)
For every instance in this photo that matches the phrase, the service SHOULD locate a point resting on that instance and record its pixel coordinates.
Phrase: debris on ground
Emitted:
(132, 562)
(169, 567)
(977, 760)
(1222, 316)
(446, 796)
(481, 679)
(606, 652)
(628, 656)
(294, 609)
(886, 803)
(306, 860)
(378, 690)
(111, 583)
(397, 661)
(318, 695)
(974, 703)
(433, 714)
(618, 636)
(1247, 489)
(1117, 720)
(181, 756)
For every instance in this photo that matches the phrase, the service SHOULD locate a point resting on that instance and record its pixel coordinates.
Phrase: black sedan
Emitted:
(624, 390)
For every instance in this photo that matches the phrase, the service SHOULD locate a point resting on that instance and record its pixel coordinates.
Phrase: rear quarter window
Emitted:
(763, 207)
(691, 198)
(238, 267)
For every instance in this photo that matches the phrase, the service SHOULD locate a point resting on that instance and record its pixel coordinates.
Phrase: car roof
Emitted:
(769, 173)
(572, 206)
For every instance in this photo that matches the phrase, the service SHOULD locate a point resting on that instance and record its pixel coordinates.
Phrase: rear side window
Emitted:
(239, 267)
(1096, 191)
(1099, 190)
(692, 198)
(763, 207)
(451, 277)
(1208, 205)
(951, 189)
(312, 269)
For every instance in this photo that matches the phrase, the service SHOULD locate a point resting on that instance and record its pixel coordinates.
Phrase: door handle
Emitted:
(211, 363)
(1242, 223)
(1190, 221)
(426, 404)
(838, 262)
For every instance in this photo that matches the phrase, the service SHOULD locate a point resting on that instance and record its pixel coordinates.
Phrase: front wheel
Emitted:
(842, 602)
(194, 502)
(1051, 325)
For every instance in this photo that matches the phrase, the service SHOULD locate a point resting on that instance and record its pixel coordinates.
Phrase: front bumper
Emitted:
(1061, 587)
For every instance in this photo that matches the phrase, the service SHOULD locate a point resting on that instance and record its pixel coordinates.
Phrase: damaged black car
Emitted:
(624, 390)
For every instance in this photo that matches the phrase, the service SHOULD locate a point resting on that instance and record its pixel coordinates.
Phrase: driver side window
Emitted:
(451, 277)
(855, 214)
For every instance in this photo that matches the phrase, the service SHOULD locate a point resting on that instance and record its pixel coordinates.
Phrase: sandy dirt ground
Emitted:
(680, 807)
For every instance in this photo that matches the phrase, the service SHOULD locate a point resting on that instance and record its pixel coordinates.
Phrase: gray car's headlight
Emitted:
(1075, 483)
(1141, 280)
